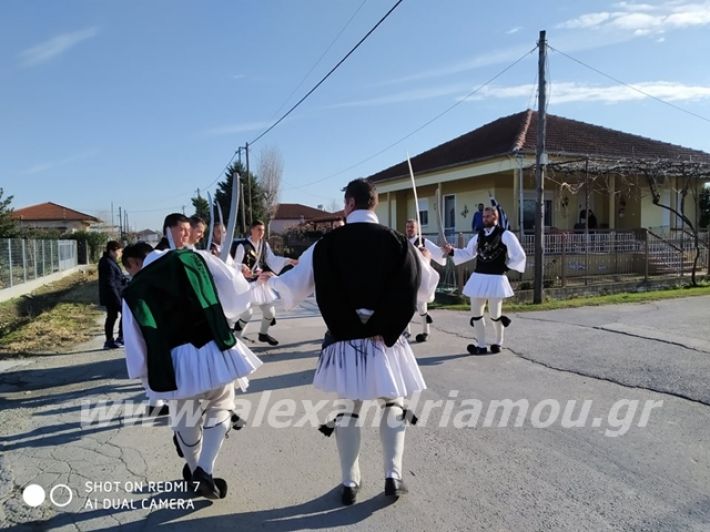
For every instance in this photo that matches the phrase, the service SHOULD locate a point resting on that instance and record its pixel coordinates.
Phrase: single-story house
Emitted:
(53, 216)
(498, 160)
(290, 215)
(149, 236)
(327, 220)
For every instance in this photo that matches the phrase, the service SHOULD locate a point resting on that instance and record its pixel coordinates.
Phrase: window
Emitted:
(449, 214)
(424, 211)
(529, 214)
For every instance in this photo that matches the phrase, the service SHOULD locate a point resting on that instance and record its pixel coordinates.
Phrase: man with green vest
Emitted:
(178, 314)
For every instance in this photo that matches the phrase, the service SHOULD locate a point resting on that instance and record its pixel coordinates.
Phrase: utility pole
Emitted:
(540, 161)
(120, 224)
(241, 199)
(125, 224)
(113, 220)
(246, 149)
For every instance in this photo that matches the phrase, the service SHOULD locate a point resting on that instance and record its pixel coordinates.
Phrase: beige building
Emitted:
(53, 216)
(498, 159)
(290, 215)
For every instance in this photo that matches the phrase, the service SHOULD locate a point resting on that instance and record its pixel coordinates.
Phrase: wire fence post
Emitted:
(563, 274)
(34, 256)
(645, 255)
(24, 260)
(9, 259)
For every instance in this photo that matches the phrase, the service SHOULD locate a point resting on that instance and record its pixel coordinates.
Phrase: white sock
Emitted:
(392, 427)
(498, 328)
(425, 325)
(212, 439)
(190, 440)
(479, 330)
(268, 313)
(348, 437)
(185, 419)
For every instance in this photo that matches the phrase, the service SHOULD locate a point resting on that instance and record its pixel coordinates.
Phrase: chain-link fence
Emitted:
(23, 260)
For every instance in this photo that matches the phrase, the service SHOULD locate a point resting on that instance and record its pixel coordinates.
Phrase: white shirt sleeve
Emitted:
(136, 351)
(438, 255)
(232, 287)
(516, 254)
(238, 255)
(466, 254)
(275, 262)
(298, 283)
(429, 279)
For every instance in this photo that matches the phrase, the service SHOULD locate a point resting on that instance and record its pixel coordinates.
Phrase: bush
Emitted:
(91, 242)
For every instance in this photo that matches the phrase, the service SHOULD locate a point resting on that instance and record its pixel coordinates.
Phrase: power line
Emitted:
(299, 102)
(632, 87)
(320, 58)
(427, 123)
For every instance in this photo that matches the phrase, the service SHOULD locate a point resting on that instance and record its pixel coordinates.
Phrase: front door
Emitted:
(450, 214)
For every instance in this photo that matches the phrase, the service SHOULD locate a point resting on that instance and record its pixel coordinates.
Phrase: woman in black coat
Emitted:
(111, 284)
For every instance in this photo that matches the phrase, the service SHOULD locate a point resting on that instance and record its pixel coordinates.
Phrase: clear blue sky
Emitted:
(141, 103)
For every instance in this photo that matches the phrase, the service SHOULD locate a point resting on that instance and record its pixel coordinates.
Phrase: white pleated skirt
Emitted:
(485, 285)
(368, 369)
(261, 294)
(207, 368)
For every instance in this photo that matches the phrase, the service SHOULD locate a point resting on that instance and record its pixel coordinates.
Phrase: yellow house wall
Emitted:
(638, 211)
(382, 211)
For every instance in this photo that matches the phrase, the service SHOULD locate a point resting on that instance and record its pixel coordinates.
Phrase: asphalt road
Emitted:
(608, 428)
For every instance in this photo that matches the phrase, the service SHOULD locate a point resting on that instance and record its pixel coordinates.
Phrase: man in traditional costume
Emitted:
(412, 231)
(132, 260)
(177, 314)
(217, 238)
(366, 305)
(197, 231)
(255, 255)
(496, 251)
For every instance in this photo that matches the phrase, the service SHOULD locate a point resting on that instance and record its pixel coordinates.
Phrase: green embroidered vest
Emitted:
(174, 301)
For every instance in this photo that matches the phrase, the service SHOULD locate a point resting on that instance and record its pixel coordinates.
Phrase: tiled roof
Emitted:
(329, 216)
(51, 212)
(518, 133)
(294, 211)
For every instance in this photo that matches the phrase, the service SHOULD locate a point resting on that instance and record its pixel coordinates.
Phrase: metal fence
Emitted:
(595, 258)
(23, 260)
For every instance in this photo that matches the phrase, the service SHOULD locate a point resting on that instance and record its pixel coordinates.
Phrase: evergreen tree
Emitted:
(8, 227)
(223, 195)
(202, 207)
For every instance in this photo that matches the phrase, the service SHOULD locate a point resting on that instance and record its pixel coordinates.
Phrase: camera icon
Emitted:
(60, 495)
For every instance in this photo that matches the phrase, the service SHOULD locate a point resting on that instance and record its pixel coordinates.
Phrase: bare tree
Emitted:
(270, 172)
(335, 205)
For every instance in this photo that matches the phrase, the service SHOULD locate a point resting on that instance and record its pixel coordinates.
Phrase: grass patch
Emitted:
(594, 301)
(53, 318)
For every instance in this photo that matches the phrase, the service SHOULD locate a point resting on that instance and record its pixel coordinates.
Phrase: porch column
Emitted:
(612, 202)
(389, 210)
(516, 193)
(439, 214)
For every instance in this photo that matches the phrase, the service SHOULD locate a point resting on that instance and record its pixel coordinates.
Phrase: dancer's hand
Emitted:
(264, 277)
(246, 272)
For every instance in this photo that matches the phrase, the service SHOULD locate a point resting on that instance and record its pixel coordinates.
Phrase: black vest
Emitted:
(491, 252)
(417, 243)
(366, 265)
(250, 258)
